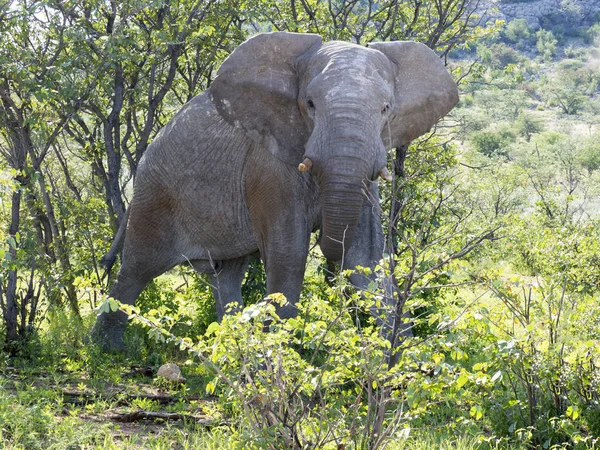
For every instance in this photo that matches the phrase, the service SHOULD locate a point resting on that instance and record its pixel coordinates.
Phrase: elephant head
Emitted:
(335, 108)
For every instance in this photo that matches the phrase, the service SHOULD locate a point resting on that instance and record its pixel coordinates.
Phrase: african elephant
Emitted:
(289, 138)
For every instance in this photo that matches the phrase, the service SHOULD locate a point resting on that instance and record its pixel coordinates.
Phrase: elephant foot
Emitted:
(108, 332)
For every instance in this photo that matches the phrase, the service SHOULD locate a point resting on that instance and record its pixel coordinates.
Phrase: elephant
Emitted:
(290, 138)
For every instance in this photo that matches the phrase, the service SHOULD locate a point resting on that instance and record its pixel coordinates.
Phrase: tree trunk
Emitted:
(10, 310)
(400, 175)
(60, 245)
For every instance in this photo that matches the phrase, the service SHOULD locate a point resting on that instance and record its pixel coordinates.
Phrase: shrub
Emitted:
(589, 154)
(570, 64)
(498, 56)
(575, 53)
(546, 44)
(592, 35)
(319, 378)
(517, 31)
(493, 142)
(564, 22)
(567, 98)
(527, 126)
(577, 77)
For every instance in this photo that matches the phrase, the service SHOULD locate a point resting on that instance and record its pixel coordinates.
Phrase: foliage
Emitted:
(546, 44)
(517, 31)
(320, 379)
(565, 21)
(528, 126)
(592, 35)
(491, 142)
(589, 155)
(549, 324)
(505, 353)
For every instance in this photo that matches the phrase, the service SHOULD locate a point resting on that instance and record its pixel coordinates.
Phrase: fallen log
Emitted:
(83, 398)
(136, 416)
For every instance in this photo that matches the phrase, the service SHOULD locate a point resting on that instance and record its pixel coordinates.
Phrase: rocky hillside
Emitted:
(543, 13)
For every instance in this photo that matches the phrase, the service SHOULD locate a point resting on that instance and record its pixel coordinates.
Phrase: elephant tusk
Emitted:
(305, 165)
(385, 175)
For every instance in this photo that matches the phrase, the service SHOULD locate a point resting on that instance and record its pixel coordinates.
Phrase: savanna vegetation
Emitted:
(492, 243)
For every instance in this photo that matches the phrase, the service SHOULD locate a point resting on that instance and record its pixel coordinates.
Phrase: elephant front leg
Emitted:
(279, 202)
(285, 273)
(283, 248)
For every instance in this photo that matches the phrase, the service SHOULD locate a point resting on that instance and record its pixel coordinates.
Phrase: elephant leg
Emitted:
(137, 270)
(110, 326)
(226, 280)
(279, 203)
(284, 252)
(286, 277)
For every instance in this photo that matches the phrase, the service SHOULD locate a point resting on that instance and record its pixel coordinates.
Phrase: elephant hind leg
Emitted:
(226, 279)
(110, 326)
(134, 275)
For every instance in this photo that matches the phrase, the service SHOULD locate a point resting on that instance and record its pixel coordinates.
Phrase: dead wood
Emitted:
(140, 370)
(136, 416)
(83, 398)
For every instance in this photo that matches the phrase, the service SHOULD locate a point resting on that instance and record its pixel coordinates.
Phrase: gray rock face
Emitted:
(570, 13)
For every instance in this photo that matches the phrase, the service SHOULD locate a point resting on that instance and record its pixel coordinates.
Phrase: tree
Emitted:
(564, 94)
(528, 126)
(32, 120)
(492, 142)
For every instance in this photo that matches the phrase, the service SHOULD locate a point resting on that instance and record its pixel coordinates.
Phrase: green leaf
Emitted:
(210, 387)
(212, 328)
(104, 307)
(497, 376)
(573, 412)
(113, 304)
(476, 412)
(461, 380)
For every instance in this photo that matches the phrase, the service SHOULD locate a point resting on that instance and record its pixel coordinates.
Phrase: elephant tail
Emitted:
(109, 259)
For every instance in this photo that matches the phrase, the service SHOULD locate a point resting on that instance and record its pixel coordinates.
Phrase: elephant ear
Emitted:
(256, 89)
(424, 93)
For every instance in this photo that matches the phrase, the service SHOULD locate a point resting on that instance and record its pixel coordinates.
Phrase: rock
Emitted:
(171, 372)
(572, 13)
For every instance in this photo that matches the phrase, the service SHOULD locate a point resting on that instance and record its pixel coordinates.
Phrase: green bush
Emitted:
(589, 154)
(492, 142)
(517, 31)
(309, 378)
(569, 90)
(575, 53)
(546, 44)
(570, 64)
(527, 125)
(592, 35)
(498, 56)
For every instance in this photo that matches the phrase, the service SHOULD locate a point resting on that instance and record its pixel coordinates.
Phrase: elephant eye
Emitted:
(386, 108)
(310, 104)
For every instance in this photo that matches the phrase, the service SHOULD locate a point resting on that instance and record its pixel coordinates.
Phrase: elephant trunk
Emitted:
(341, 202)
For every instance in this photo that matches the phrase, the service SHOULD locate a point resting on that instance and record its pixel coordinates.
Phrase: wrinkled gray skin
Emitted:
(221, 181)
